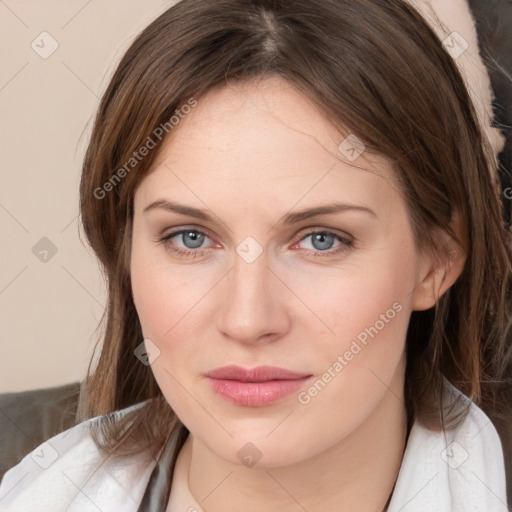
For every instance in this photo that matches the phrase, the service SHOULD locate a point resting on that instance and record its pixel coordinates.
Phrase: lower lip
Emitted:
(255, 394)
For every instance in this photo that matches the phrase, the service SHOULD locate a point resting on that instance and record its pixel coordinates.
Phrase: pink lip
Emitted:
(256, 387)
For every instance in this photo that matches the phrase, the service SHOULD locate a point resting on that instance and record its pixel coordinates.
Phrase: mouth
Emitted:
(255, 387)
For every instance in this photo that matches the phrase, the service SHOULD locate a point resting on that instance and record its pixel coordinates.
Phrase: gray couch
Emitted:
(29, 418)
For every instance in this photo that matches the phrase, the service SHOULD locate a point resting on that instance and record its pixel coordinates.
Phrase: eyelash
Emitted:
(346, 243)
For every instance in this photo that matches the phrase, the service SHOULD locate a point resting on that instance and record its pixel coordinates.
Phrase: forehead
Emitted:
(246, 114)
(226, 114)
(254, 138)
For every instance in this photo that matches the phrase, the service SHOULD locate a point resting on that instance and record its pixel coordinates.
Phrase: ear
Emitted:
(440, 268)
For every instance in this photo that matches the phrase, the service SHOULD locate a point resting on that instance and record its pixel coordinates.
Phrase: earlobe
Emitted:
(442, 270)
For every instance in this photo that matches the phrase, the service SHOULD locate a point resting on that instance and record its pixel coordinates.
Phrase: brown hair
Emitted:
(373, 66)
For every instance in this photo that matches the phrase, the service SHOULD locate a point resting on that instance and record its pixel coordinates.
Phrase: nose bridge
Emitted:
(252, 307)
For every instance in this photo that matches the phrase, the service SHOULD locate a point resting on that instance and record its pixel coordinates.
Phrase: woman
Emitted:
(309, 278)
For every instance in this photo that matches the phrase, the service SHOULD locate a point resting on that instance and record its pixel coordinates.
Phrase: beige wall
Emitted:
(49, 309)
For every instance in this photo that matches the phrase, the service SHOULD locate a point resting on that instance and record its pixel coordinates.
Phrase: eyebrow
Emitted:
(288, 219)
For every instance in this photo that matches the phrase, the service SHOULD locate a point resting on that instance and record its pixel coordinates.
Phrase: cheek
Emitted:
(164, 294)
(344, 301)
(366, 307)
(159, 300)
(170, 303)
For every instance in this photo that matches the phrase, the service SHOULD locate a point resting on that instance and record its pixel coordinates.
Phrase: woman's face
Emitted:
(325, 295)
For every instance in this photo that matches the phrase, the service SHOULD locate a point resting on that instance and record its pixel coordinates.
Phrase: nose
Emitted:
(253, 303)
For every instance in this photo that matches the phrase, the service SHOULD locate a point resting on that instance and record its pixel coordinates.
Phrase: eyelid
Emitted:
(343, 235)
(184, 227)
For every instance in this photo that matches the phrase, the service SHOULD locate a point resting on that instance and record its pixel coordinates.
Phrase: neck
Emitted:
(358, 473)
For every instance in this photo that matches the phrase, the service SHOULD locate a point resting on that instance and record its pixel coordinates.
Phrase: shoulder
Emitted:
(461, 469)
(69, 472)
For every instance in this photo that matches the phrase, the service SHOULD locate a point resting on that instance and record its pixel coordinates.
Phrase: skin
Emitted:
(249, 154)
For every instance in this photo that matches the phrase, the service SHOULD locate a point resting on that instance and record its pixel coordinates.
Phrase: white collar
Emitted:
(458, 471)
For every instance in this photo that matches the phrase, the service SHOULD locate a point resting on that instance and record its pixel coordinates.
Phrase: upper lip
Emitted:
(258, 374)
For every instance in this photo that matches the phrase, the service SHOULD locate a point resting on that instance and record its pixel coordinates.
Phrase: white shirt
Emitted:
(458, 471)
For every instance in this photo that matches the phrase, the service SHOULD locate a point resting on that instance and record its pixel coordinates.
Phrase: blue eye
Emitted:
(196, 238)
(323, 241)
(192, 240)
